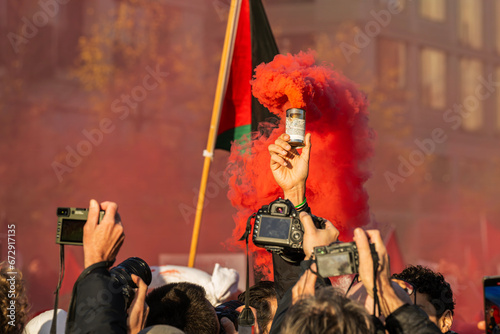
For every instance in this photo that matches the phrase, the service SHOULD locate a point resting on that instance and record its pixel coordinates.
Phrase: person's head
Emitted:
(262, 296)
(327, 312)
(433, 294)
(14, 302)
(184, 306)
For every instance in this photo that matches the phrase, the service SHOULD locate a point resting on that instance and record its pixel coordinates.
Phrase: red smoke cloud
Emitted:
(342, 143)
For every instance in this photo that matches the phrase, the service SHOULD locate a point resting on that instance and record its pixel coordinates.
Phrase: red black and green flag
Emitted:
(254, 44)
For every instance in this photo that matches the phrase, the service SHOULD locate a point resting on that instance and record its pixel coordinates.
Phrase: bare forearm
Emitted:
(389, 301)
(296, 195)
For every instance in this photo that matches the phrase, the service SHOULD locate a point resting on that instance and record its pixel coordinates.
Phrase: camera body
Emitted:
(278, 228)
(339, 258)
(228, 310)
(70, 223)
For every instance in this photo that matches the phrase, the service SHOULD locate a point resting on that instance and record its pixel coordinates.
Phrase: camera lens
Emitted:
(228, 310)
(122, 275)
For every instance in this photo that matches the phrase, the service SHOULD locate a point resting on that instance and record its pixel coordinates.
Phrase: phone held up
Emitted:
(491, 288)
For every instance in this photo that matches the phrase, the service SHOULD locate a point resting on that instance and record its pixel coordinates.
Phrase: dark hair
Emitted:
(260, 297)
(326, 313)
(184, 306)
(432, 284)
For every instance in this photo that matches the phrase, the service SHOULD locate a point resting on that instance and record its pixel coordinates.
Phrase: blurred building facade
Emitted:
(438, 62)
(431, 70)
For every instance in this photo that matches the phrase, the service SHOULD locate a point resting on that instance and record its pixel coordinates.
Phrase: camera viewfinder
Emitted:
(63, 212)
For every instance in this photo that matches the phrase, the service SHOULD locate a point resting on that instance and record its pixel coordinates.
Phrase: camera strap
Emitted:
(246, 317)
(53, 326)
(376, 301)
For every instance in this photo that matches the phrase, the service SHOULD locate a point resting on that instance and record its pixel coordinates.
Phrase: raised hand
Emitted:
(290, 169)
(102, 241)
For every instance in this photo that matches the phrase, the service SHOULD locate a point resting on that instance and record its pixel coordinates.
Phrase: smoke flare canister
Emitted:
(296, 126)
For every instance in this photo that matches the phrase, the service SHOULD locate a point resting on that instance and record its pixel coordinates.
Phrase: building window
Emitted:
(398, 5)
(295, 43)
(470, 23)
(470, 71)
(433, 78)
(391, 63)
(434, 10)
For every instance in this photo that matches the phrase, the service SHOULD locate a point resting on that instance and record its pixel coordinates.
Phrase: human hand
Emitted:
(290, 169)
(101, 242)
(314, 237)
(228, 326)
(305, 286)
(138, 310)
(389, 301)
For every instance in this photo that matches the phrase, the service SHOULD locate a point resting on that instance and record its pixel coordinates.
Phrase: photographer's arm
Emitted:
(290, 169)
(313, 237)
(401, 318)
(139, 309)
(97, 306)
(389, 301)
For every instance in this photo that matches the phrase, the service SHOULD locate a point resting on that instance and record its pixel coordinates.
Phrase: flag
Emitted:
(254, 44)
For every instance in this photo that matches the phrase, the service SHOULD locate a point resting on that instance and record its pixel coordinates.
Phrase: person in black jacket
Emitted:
(97, 304)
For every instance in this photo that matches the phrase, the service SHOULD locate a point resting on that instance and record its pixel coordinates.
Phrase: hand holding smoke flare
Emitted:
(337, 119)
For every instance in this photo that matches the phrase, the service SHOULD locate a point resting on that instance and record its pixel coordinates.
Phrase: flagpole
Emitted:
(224, 69)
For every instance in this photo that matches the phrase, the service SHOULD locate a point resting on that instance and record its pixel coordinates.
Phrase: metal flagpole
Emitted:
(225, 65)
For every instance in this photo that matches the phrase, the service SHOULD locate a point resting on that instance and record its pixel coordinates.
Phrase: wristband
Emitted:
(301, 205)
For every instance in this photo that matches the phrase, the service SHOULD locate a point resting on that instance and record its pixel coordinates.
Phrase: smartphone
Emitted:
(491, 288)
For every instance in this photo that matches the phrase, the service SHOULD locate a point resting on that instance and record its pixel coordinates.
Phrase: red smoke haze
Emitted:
(342, 143)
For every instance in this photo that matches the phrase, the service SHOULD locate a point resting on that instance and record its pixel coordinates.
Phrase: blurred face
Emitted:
(424, 303)
(443, 322)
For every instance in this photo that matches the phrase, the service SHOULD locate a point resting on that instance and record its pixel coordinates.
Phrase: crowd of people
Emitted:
(415, 301)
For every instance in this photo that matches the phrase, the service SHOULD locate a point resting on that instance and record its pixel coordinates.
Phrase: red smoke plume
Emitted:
(342, 143)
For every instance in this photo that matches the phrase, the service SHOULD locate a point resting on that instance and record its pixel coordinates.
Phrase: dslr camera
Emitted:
(122, 278)
(228, 310)
(70, 223)
(277, 228)
(339, 258)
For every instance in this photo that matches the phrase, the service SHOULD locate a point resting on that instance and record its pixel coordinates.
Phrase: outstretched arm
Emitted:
(401, 318)
(290, 169)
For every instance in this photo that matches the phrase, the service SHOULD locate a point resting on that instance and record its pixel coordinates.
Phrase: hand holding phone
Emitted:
(491, 288)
